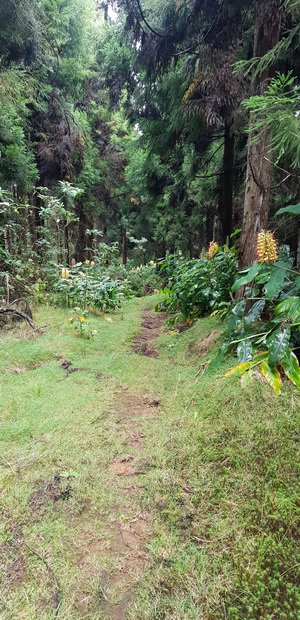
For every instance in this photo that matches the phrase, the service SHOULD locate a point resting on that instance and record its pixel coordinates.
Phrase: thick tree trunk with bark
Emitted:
(257, 198)
(226, 194)
(258, 177)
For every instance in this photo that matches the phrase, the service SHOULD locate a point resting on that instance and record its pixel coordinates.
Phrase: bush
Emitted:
(102, 287)
(87, 289)
(197, 287)
(263, 329)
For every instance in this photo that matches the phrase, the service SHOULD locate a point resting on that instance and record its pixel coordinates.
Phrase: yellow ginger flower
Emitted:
(65, 273)
(266, 247)
(213, 247)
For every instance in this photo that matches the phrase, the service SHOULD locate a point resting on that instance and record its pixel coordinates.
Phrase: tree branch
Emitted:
(19, 313)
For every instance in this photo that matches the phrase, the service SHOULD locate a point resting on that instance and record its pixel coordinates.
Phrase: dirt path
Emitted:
(131, 530)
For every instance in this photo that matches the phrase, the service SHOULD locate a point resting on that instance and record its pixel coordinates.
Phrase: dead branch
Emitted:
(19, 313)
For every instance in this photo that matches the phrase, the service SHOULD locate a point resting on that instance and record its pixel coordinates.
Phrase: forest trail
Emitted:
(132, 529)
(76, 454)
(127, 487)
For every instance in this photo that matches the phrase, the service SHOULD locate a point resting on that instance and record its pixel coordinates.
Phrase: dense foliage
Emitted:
(197, 287)
(264, 327)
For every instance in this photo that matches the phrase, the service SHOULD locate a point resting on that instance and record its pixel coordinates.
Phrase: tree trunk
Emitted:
(226, 194)
(258, 176)
(124, 246)
(257, 199)
(82, 241)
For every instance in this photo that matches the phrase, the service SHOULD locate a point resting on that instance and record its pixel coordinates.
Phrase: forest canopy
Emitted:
(178, 122)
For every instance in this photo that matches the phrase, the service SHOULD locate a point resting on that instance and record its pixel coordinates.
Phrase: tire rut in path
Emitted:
(132, 527)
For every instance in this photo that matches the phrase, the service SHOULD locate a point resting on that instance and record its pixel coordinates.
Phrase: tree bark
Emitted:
(124, 246)
(226, 194)
(258, 176)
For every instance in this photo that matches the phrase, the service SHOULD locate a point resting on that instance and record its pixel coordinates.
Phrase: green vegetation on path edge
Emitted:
(218, 482)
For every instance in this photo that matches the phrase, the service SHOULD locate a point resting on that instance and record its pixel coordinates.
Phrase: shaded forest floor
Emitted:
(135, 484)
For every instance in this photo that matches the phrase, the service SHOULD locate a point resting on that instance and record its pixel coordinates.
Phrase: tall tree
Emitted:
(269, 19)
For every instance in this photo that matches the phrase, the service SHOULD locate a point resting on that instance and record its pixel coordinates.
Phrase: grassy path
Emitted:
(138, 486)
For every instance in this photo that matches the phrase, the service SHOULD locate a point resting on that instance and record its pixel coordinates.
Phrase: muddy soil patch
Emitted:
(144, 343)
(203, 345)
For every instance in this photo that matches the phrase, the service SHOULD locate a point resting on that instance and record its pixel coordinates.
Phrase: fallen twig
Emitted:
(58, 593)
(23, 315)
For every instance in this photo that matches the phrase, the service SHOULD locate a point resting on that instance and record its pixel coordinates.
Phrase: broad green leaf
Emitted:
(291, 209)
(290, 365)
(254, 313)
(278, 343)
(239, 309)
(246, 378)
(244, 351)
(272, 376)
(252, 273)
(236, 316)
(241, 368)
(290, 308)
(275, 282)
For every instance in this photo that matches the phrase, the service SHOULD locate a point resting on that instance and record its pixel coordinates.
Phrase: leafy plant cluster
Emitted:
(81, 324)
(105, 288)
(263, 329)
(85, 288)
(199, 286)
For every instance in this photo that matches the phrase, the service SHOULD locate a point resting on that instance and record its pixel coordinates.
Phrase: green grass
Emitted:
(228, 550)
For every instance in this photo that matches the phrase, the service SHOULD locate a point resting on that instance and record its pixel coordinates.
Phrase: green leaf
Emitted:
(254, 313)
(275, 282)
(241, 368)
(244, 351)
(290, 365)
(289, 308)
(236, 316)
(279, 343)
(252, 273)
(235, 232)
(246, 378)
(291, 209)
(272, 376)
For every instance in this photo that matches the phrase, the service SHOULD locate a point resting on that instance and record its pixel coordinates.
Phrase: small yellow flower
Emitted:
(86, 262)
(266, 247)
(92, 263)
(213, 247)
(81, 318)
(65, 273)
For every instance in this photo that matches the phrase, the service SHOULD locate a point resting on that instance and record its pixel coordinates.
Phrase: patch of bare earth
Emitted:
(203, 345)
(151, 328)
(130, 529)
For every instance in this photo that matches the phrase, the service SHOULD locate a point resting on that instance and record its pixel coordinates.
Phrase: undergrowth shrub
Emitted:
(263, 329)
(84, 289)
(199, 286)
(105, 288)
